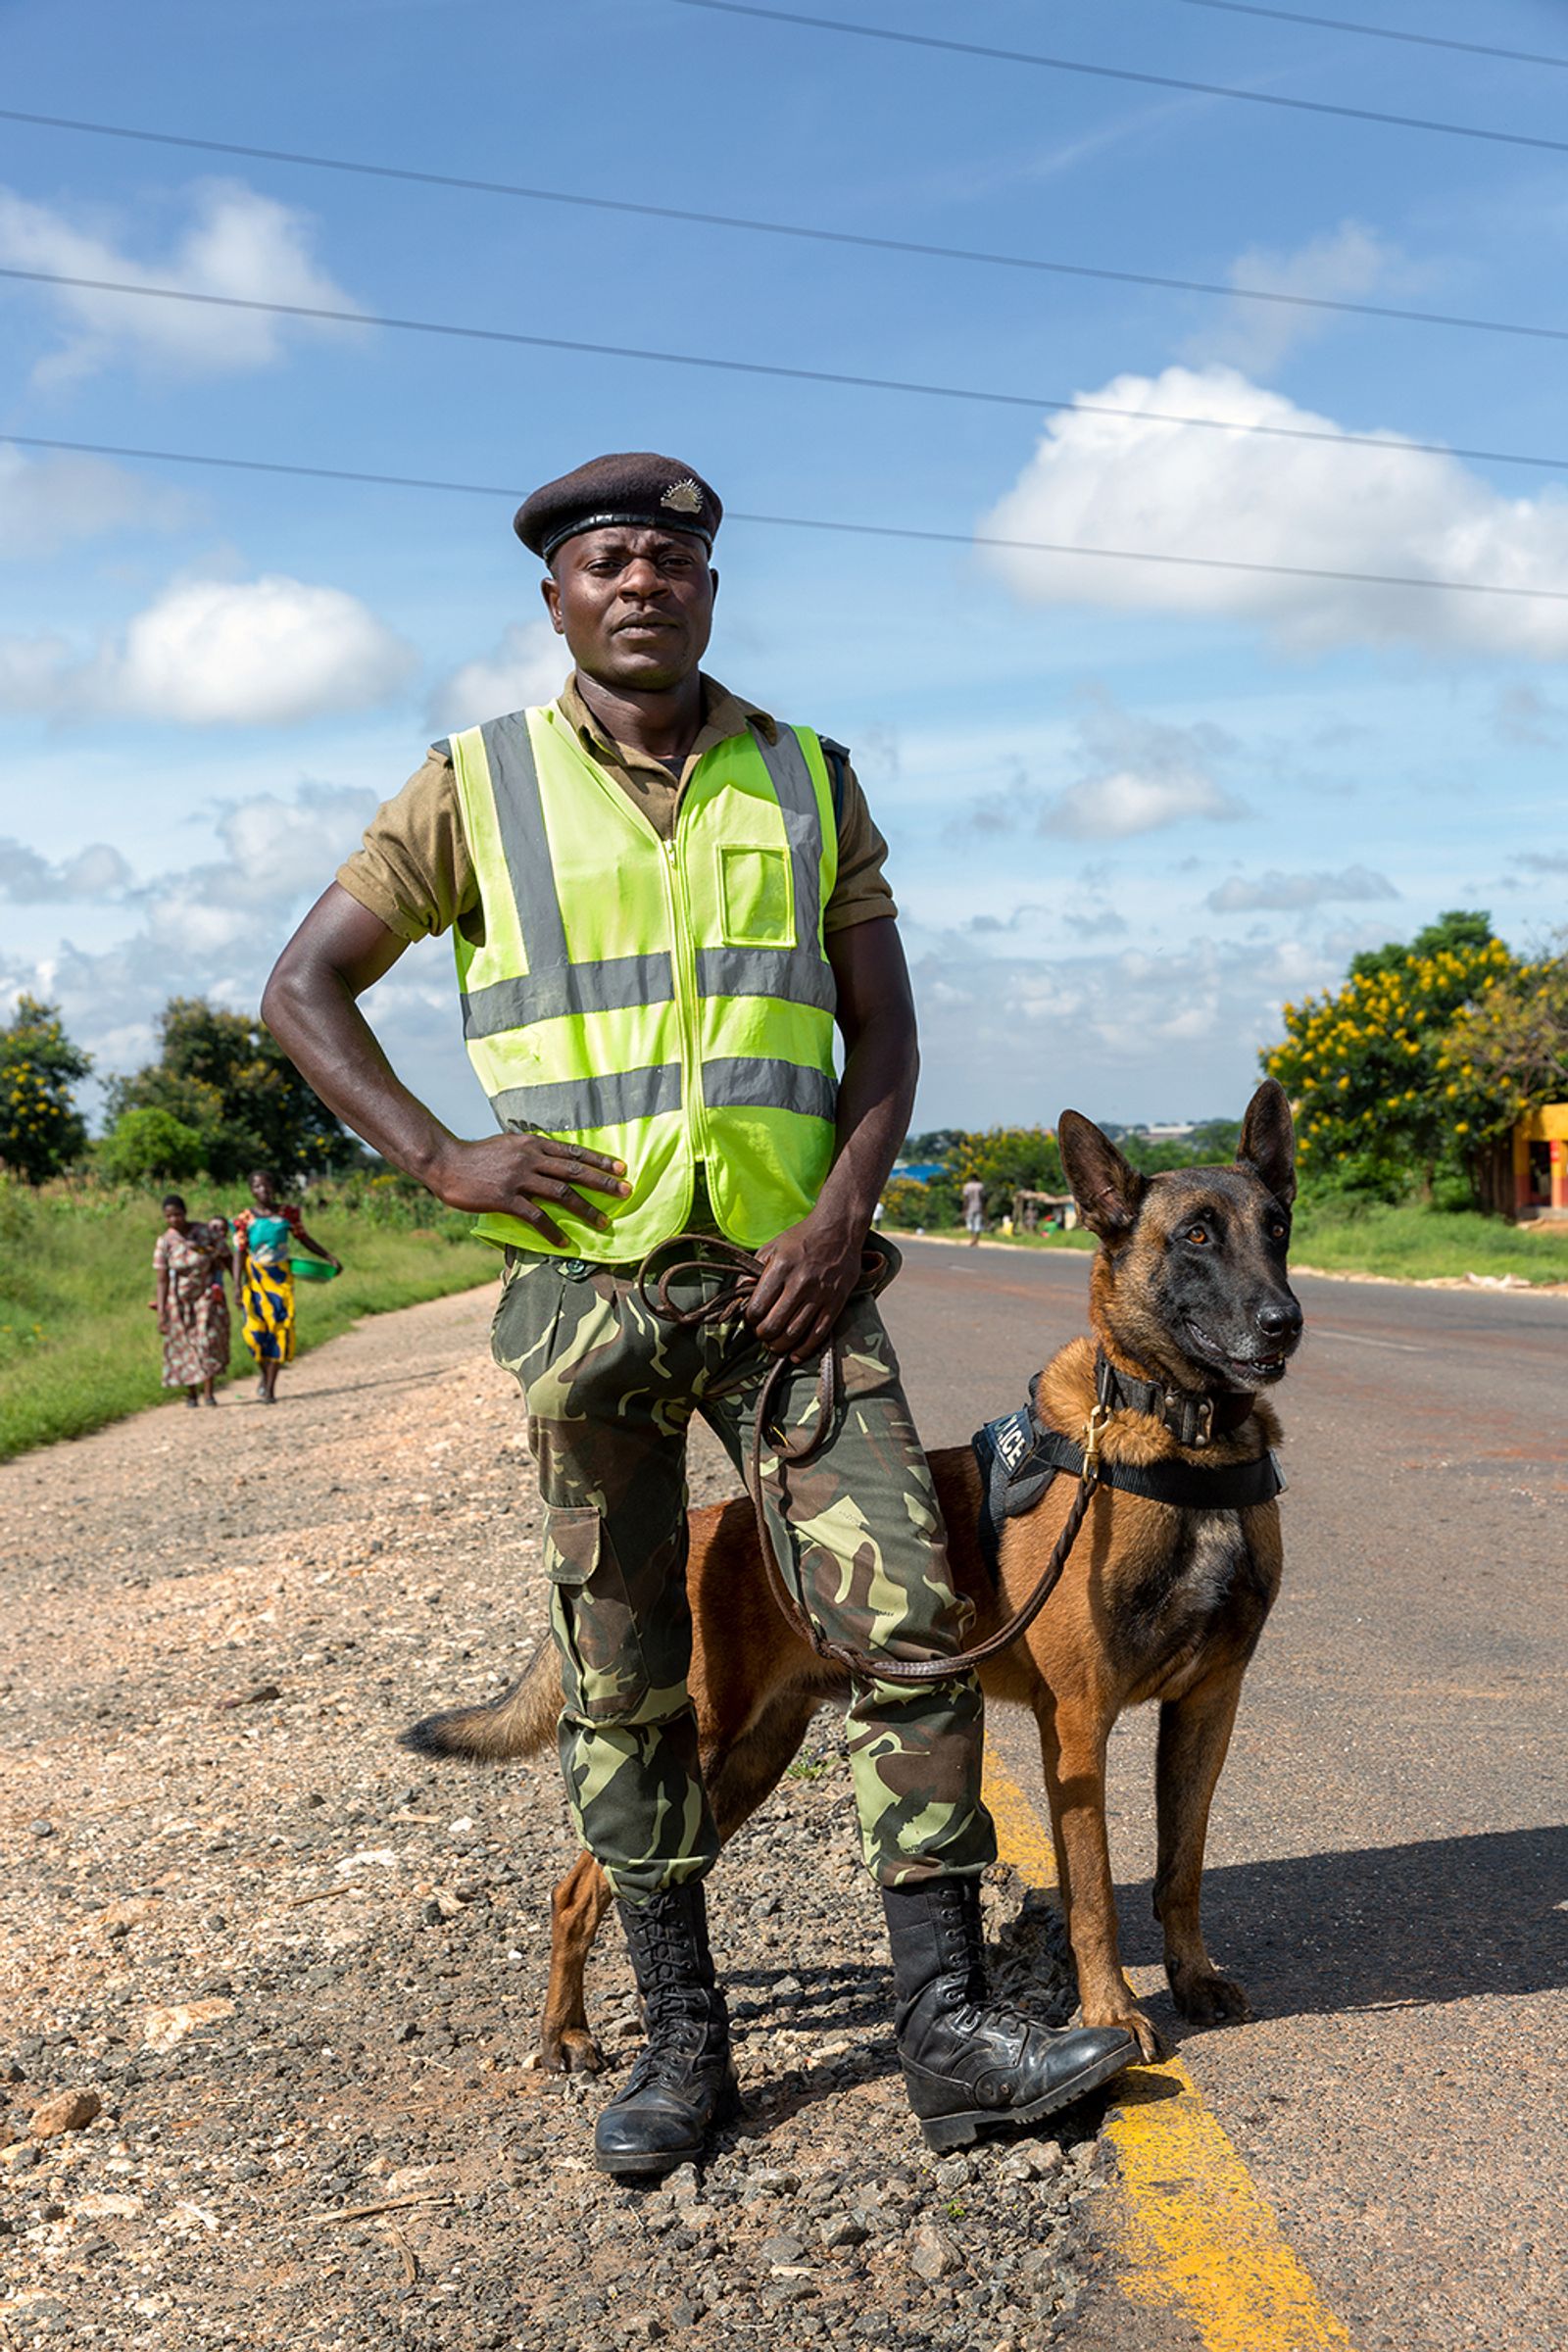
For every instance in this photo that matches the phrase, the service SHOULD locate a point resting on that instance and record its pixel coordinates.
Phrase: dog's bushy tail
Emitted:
(518, 1723)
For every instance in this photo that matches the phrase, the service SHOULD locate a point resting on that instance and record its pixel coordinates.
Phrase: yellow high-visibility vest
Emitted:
(664, 1003)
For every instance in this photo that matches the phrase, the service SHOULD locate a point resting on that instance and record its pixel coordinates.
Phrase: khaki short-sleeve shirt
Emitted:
(414, 872)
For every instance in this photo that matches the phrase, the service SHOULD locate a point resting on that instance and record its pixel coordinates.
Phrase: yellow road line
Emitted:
(1200, 2237)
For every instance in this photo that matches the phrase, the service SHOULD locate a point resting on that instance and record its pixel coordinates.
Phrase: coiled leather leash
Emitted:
(706, 1253)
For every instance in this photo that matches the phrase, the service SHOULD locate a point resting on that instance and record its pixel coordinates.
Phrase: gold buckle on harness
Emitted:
(1094, 1428)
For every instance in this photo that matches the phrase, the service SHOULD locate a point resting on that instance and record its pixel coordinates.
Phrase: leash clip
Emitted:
(1094, 1428)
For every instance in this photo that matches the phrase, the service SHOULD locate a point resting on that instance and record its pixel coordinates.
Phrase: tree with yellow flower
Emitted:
(1382, 1107)
(40, 1128)
(1507, 1049)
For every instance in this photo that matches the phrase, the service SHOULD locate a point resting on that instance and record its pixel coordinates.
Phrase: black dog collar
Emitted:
(1194, 1416)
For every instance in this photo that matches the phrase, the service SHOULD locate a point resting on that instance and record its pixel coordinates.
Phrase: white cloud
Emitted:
(1119, 1035)
(218, 652)
(28, 879)
(214, 929)
(45, 503)
(236, 243)
(1188, 490)
(1342, 266)
(526, 666)
(1289, 892)
(1138, 800)
(1134, 775)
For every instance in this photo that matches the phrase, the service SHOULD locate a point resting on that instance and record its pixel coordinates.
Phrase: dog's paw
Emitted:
(1131, 2019)
(570, 2051)
(1206, 1998)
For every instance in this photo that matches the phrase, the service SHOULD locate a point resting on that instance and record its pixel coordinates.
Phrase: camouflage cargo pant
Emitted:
(610, 1391)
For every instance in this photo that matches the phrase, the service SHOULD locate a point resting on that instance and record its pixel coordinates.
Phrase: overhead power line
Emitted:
(1152, 81)
(816, 523)
(1380, 32)
(1394, 444)
(752, 227)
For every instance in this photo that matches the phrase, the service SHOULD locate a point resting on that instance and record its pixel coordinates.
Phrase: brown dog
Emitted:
(1157, 1600)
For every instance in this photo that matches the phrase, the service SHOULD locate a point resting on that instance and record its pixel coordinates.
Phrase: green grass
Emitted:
(1077, 1240)
(1419, 1244)
(1409, 1243)
(77, 1345)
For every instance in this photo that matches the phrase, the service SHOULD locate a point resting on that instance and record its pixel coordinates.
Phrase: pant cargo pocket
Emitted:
(591, 1616)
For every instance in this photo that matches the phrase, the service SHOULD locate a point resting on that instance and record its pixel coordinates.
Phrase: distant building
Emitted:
(1541, 1163)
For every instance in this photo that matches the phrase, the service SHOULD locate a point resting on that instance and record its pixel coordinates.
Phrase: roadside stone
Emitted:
(954, 2171)
(19, 2157)
(165, 2028)
(67, 2111)
(768, 2180)
(789, 2286)
(932, 2253)
(1032, 2160)
(781, 2251)
(844, 2230)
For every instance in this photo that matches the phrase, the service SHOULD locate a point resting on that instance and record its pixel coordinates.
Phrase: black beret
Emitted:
(633, 486)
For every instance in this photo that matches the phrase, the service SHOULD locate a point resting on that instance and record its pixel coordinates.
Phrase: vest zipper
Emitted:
(684, 960)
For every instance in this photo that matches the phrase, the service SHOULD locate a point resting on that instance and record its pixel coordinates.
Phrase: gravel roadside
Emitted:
(298, 1971)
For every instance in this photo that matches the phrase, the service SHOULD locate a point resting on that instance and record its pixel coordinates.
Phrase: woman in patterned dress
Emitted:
(264, 1281)
(192, 1311)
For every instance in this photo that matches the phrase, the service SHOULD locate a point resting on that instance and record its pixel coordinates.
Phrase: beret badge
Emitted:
(683, 497)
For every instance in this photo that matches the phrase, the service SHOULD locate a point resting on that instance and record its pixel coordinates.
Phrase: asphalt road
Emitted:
(1387, 1861)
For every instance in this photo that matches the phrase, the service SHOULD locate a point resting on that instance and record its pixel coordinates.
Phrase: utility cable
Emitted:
(1380, 32)
(1396, 444)
(1152, 81)
(815, 522)
(752, 227)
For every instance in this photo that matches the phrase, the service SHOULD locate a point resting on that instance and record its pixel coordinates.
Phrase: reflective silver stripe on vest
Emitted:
(791, 779)
(796, 975)
(572, 1106)
(616, 985)
(524, 844)
(759, 1084)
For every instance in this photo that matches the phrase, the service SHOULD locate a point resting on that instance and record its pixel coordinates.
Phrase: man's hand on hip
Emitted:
(807, 1275)
(510, 1174)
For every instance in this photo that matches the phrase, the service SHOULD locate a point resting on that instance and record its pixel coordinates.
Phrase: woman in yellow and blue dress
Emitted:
(264, 1237)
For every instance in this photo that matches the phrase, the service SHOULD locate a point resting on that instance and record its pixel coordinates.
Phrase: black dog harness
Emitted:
(1019, 1454)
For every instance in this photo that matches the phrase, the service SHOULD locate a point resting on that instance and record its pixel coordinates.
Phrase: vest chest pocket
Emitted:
(603, 1674)
(757, 897)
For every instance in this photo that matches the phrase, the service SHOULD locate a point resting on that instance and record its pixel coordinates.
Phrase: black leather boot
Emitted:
(683, 2081)
(970, 2061)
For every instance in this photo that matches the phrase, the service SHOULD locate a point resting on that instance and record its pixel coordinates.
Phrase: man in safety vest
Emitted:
(663, 904)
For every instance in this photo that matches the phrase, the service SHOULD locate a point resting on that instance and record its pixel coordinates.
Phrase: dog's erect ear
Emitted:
(1106, 1190)
(1268, 1140)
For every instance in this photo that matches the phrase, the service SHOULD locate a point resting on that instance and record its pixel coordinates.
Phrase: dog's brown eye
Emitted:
(1278, 1232)
(1196, 1233)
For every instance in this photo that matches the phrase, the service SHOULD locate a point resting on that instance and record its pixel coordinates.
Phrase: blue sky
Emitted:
(1130, 808)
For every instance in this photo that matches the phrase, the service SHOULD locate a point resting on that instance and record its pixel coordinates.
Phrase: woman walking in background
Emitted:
(263, 1280)
(192, 1311)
